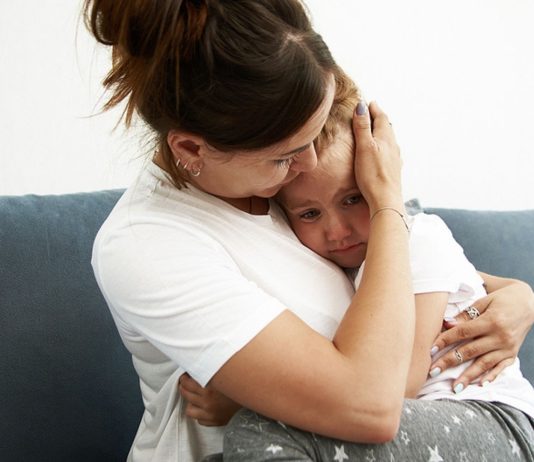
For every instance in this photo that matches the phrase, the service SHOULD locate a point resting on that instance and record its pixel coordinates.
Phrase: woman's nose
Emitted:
(305, 161)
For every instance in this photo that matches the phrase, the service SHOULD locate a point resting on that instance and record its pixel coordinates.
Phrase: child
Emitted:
(330, 216)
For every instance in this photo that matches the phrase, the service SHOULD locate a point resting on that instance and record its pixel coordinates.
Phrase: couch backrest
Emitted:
(499, 243)
(69, 391)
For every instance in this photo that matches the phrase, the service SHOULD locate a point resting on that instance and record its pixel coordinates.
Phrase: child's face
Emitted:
(326, 209)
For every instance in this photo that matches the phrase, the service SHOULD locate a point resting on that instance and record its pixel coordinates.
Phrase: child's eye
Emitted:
(354, 199)
(309, 214)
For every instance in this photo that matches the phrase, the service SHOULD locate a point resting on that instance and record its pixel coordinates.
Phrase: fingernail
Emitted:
(434, 350)
(435, 372)
(458, 388)
(361, 108)
(485, 383)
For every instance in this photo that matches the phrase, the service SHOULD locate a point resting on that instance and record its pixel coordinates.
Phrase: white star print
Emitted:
(515, 448)
(434, 455)
(429, 408)
(340, 454)
(370, 457)
(463, 457)
(456, 420)
(274, 449)
(404, 437)
(447, 429)
(470, 413)
(491, 438)
(408, 410)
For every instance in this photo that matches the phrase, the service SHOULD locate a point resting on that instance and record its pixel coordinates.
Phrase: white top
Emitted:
(438, 264)
(189, 281)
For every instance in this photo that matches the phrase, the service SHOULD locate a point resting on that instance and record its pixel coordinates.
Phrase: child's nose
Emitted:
(338, 229)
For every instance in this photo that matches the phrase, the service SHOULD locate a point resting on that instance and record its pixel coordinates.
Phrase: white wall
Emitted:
(456, 78)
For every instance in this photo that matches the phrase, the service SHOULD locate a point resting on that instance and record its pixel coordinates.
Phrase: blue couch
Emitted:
(68, 388)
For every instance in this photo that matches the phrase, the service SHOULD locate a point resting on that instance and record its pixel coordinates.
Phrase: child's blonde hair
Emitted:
(345, 100)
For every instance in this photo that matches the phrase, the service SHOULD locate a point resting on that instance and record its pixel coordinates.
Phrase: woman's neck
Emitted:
(253, 205)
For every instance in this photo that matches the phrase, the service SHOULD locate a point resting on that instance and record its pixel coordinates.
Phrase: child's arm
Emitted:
(429, 308)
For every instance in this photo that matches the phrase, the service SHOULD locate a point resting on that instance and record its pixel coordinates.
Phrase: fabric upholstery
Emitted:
(69, 391)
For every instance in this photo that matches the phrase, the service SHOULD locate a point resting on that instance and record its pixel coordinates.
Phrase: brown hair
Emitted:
(242, 74)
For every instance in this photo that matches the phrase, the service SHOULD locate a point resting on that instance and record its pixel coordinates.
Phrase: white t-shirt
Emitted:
(189, 281)
(438, 264)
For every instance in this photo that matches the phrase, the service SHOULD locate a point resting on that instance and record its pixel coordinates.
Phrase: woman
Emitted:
(235, 93)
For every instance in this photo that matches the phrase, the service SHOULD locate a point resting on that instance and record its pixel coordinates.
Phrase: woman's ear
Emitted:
(185, 147)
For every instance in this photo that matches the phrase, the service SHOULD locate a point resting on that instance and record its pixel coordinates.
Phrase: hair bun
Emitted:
(138, 28)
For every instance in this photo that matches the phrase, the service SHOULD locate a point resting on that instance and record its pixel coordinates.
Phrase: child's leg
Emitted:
(463, 431)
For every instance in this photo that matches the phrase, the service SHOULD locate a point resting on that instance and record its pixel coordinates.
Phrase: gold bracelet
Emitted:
(396, 211)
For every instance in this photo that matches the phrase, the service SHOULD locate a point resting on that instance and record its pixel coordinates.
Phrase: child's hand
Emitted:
(204, 404)
(377, 161)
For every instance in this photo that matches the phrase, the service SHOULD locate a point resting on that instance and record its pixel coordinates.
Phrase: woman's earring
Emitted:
(195, 171)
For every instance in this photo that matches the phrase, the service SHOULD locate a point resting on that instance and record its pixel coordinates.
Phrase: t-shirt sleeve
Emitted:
(184, 295)
(438, 262)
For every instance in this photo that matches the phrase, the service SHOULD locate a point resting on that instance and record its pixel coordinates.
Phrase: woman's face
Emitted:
(263, 172)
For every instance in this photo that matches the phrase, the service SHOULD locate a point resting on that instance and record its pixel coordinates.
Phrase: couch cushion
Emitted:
(69, 390)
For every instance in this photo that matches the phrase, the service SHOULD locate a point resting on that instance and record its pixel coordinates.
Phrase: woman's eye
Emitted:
(284, 163)
(354, 199)
(309, 215)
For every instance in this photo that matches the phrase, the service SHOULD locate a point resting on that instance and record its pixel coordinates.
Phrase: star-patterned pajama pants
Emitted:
(430, 431)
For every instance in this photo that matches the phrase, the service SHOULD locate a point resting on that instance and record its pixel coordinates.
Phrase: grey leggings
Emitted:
(430, 431)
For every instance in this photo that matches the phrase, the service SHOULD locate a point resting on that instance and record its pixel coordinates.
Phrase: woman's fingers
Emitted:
(377, 162)
(484, 370)
(381, 126)
(361, 123)
(477, 348)
(492, 374)
(469, 314)
(460, 332)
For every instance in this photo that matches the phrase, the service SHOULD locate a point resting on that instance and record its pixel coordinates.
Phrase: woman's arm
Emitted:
(506, 316)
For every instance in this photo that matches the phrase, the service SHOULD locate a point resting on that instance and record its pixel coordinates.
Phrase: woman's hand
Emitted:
(204, 404)
(377, 161)
(494, 338)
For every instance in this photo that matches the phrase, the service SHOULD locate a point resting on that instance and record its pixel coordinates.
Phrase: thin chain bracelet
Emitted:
(396, 211)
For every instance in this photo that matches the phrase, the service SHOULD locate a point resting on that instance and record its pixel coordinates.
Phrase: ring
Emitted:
(458, 356)
(472, 312)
